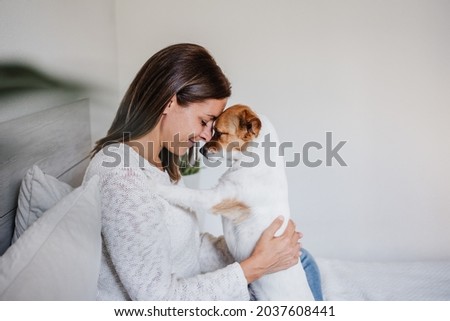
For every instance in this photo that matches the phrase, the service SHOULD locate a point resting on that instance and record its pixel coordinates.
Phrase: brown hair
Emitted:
(185, 70)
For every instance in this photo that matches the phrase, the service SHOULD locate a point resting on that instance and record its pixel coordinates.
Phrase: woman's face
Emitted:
(182, 127)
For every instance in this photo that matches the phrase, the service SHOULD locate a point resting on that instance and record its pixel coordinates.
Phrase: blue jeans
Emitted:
(312, 274)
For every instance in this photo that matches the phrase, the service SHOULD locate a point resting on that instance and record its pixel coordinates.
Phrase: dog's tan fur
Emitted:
(233, 209)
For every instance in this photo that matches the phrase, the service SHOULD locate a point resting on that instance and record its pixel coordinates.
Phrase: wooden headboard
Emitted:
(57, 139)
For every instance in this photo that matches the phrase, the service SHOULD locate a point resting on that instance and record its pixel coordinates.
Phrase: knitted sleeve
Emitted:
(137, 240)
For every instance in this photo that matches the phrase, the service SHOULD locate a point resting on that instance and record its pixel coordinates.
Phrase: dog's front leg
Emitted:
(219, 200)
(192, 199)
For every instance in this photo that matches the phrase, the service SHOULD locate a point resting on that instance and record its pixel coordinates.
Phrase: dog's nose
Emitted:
(204, 151)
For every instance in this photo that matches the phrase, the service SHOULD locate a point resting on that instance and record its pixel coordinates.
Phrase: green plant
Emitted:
(189, 163)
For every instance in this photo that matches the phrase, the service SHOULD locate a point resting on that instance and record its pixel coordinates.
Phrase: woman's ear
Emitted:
(169, 106)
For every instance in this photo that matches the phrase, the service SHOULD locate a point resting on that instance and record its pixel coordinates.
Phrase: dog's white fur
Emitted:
(264, 190)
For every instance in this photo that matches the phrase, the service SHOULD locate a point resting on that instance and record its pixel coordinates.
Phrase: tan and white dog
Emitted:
(249, 196)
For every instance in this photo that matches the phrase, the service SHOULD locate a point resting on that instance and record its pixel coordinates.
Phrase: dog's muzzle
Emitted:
(204, 151)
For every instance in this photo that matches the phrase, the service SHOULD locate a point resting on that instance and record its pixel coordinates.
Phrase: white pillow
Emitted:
(38, 193)
(58, 257)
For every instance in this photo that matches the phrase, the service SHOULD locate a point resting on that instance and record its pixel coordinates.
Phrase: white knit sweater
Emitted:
(151, 249)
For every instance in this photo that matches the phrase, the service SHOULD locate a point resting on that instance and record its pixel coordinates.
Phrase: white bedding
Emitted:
(418, 281)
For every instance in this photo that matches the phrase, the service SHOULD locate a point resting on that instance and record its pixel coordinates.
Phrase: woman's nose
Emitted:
(206, 134)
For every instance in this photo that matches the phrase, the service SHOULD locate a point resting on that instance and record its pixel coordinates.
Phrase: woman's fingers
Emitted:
(273, 228)
(273, 254)
(290, 229)
(296, 238)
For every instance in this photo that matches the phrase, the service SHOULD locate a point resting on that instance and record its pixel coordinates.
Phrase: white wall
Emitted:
(375, 73)
(73, 40)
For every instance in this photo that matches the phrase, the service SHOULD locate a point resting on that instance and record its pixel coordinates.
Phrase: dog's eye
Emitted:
(218, 134)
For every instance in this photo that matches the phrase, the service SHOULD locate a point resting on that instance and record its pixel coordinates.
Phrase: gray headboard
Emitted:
(57, 139)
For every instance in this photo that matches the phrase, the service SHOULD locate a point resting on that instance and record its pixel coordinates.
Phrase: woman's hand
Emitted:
(273, 254)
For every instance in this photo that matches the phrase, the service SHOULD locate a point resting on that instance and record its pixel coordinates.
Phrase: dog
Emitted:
(249, 196)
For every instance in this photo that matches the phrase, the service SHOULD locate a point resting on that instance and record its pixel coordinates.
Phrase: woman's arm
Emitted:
(273, 254)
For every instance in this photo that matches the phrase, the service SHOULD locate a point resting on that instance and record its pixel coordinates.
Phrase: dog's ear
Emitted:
(251, 123)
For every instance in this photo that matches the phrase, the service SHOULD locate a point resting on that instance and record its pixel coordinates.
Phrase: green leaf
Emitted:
(186, 168)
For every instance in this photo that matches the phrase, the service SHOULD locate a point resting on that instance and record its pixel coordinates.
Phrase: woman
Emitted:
(151, 249)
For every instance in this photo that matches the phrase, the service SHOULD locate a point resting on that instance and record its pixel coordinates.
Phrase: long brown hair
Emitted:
(185, 70)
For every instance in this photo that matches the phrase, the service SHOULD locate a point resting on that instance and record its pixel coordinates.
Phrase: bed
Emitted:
(61, 262)
(345, 280)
